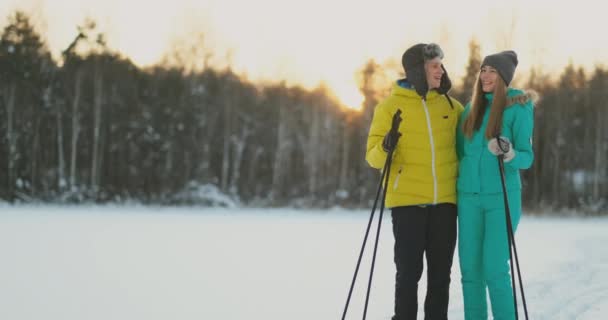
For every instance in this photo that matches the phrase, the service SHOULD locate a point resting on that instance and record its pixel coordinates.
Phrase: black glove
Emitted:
(390, 140)
(392, 137)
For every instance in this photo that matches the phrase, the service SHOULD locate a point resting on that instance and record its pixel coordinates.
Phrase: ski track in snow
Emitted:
(576, 291)
(74, 263)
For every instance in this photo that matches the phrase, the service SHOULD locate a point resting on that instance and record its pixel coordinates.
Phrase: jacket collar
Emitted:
(403, 87)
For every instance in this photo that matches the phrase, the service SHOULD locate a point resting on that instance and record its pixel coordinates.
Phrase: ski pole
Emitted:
(384, 175)
(369, 224)
(510, 233)
(371, 273)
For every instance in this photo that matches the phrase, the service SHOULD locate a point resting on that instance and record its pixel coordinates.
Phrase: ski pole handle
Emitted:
(396, 121)
(503, 145)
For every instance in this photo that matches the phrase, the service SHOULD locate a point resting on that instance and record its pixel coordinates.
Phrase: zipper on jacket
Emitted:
(430, 128)
(397, 178)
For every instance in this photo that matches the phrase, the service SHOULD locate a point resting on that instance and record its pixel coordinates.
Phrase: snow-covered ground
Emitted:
(80, 263)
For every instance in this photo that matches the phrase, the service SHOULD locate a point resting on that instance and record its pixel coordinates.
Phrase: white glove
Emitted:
(496, 150)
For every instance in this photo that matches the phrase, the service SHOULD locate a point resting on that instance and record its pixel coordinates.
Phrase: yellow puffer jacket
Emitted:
(425, 166)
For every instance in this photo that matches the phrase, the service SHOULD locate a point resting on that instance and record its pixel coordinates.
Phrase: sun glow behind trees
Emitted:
(305, 43)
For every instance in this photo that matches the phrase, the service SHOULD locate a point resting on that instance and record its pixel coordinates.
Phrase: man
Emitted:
(422, 184)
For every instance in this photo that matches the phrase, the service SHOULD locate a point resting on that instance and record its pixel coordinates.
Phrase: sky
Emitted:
(146, 263)
(326, 41)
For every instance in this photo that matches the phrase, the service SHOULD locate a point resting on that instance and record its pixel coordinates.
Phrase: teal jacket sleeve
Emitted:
(523, 127)
(460, 133)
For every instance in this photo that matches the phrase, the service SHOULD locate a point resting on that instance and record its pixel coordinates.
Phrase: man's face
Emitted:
(434, 72)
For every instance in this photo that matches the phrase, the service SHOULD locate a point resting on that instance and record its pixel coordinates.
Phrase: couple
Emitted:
(445, 174)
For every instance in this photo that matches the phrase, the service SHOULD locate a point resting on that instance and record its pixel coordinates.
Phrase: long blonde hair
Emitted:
(478, 107)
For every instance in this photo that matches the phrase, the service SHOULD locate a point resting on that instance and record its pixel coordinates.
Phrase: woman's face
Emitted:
(488, 77)
(434, 72)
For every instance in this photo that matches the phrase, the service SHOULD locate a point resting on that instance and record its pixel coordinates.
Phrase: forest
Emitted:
(92, 127)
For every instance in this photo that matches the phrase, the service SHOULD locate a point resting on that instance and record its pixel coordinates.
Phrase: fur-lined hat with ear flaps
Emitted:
(413, 60)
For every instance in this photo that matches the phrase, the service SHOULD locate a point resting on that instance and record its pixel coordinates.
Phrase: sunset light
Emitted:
(308, 42)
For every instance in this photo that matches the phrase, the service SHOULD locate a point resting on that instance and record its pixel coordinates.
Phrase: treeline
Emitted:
(93, 127)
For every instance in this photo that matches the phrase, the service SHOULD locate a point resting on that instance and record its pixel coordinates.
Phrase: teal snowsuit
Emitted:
(482, 236)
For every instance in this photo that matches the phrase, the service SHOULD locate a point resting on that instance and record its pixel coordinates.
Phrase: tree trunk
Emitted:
(61, 179)
(97, 102)
(35, 154)
(226, 146)
(600, 152)
(12, 140)
(536, 172)
(280, 156)
(75, 128)
(209, 132)
(169, 182)
(344, 167)
(254, 177)
(314, 147)
(239, 148)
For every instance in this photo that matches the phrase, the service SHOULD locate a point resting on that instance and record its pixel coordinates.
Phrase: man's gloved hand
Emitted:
(503, 146)
(392, 137)
(390, 140)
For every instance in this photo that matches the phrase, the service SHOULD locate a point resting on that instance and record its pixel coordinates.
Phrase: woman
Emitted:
(495, 110)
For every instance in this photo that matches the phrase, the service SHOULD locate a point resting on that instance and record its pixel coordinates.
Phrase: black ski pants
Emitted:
(420, 230)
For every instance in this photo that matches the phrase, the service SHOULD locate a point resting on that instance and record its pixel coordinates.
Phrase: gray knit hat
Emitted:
(504, 62)
(413, 63)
